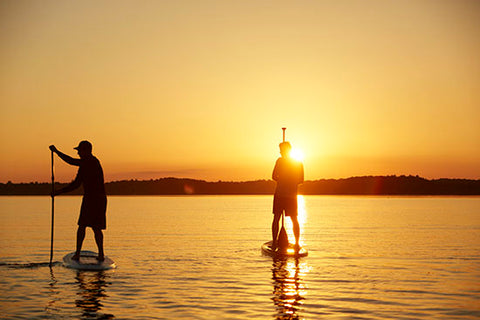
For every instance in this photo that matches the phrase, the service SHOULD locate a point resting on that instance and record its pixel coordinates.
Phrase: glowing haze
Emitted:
(201, 89)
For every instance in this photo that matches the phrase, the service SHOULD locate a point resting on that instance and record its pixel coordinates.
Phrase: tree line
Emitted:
(366, 185)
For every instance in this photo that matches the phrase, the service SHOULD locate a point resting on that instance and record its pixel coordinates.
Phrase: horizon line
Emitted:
(243, 181)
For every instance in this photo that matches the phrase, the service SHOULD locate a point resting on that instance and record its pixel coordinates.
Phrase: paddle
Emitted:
(53, 211)
(282, 237)
(282, 242)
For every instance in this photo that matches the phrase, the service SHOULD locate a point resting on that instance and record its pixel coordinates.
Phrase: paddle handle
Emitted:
(283, 129)
(53, 211)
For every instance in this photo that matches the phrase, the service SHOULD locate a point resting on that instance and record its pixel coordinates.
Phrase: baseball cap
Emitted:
(84, 145)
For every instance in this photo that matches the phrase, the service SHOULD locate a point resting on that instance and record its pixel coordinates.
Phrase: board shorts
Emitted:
(93, 212)
(287, 204)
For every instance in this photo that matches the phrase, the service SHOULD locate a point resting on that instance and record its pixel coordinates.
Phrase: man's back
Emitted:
(289, 174)
(91, 175)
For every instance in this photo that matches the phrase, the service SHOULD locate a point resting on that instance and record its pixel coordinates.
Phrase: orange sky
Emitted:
(201, 89)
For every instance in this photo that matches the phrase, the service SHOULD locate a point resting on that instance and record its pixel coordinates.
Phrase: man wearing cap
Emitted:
(94, 202)
(288, 173)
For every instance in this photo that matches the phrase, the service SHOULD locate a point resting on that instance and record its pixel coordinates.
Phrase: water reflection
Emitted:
(289, 290)
(51, 307)
(91, 292)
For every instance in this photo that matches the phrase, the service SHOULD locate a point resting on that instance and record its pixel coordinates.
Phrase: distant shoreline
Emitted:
(366, 185)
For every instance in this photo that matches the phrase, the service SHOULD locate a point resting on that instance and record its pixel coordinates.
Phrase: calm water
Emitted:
(199, 258)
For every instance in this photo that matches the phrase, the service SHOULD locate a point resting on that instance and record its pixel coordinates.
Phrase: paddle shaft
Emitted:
(283, 214)
(53, 212)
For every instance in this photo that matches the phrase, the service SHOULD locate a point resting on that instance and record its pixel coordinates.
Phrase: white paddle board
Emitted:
(290, 252)
(88, 261)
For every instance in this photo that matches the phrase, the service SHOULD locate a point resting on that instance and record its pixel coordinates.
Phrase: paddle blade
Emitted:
(282, 239)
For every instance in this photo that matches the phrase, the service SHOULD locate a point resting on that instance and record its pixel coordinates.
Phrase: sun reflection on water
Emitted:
(289, 289)
(302, 213)
(302, 220)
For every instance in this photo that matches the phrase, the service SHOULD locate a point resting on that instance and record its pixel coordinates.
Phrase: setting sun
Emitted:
(297, 154)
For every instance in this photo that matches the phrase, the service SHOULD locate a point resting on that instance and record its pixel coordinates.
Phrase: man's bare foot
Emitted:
(274, 246)
(297, 248)
(76, 257)
(101, 258)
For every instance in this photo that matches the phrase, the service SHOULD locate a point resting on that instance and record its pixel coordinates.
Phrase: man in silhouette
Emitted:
(94, 202)
(288, 173)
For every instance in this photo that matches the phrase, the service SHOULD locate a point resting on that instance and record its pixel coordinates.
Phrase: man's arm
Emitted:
(72, 186)
(275, 171)
(66, 158)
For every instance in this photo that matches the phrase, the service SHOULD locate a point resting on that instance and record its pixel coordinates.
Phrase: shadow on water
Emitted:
(91, 291)
(288, 288)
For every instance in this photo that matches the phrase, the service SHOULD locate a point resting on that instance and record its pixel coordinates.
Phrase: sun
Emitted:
(297, 154)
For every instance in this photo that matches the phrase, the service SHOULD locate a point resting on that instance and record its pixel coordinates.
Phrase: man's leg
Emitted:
(276, 220)
(80, 238)
(296, 230)
(99, 240)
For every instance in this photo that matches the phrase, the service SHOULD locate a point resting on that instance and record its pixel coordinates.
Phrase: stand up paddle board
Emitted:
(88, 261)
(290, 252)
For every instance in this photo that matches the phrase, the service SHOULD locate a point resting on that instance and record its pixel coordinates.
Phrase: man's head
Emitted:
(84, 149)
(285, 148)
